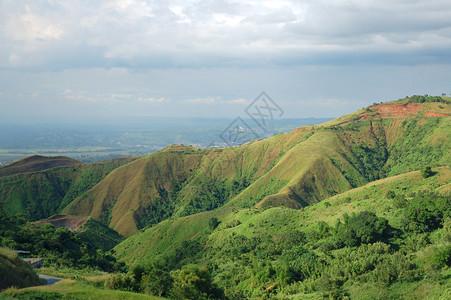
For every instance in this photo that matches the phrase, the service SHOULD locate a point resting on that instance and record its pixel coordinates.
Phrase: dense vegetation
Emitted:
(59, 247)
(392, 240)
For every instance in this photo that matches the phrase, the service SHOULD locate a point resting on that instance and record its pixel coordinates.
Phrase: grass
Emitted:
(70, 289)
(14, 271)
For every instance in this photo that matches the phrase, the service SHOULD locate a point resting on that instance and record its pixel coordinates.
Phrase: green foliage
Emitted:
(362, 228)
(58, 246)
(427, 99)
(441, 256)
(213, 223)
(194, 282)
(298, 264)
(425, 212)
(426, 172)
(99, 235)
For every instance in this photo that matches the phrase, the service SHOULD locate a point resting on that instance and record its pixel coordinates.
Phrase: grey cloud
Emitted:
(155, 34)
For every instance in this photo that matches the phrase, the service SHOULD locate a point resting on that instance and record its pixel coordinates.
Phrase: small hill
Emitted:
(70, 222)
(39, 195)
(15, 272)
(37, 163)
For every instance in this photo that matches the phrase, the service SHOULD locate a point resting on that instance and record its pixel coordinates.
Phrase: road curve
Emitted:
(50, 279)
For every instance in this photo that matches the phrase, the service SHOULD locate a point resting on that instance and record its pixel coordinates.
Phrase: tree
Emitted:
(213, 223)
(363, 228)
(426, 172)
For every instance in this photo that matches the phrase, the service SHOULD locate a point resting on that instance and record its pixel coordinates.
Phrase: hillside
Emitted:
(248, 250)
(37, 163)
(39, 195)
(294, 170)
(15, 272)
(89, 230)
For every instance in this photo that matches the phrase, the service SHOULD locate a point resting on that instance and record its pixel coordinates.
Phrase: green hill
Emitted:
(39, 195)
(37, 163)
(293, 170)
(15, 272)
(304, 253)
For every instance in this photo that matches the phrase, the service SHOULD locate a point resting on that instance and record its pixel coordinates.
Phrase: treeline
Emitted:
(427, 99)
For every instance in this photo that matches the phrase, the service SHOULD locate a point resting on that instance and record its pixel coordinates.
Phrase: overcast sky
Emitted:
(318, 58)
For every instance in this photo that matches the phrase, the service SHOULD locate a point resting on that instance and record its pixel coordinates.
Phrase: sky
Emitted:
(92, 59)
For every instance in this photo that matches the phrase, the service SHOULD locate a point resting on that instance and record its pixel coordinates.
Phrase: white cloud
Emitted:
(237, 101)
(153, 100)
(206, 100)
(30, 26)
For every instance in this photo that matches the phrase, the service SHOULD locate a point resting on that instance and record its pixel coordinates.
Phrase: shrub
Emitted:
(213, 223)
(442, 256)
(422, 215)
(297, 264)
(426, 172)
(363, 228)
(194, 282)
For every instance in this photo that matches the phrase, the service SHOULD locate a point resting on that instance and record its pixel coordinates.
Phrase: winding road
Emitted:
(50, 279)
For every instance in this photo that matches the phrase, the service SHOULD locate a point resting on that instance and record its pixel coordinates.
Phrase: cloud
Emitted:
(139, 34)
(153, 100)
(206, 100)
(237, 101)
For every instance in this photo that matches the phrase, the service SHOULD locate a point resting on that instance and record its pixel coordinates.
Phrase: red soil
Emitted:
(303, 128)
(394, 110)
(432, 114)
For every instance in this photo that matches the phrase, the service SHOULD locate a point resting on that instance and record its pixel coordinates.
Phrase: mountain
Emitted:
(294, 170)
(358, 207)
(37, 163)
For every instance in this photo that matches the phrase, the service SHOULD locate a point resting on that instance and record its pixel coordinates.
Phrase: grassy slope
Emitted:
(271, 225)
(165, 237)
(14, 271)
(37, 163)
(294, 169)
(39, 195)
(71, 289)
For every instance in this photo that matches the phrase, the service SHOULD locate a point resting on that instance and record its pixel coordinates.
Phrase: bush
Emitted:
(194, 282)
(213, 223)
(442, 256)
(423, 215)
(363, 228)
(298, 264)
(426, 172)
